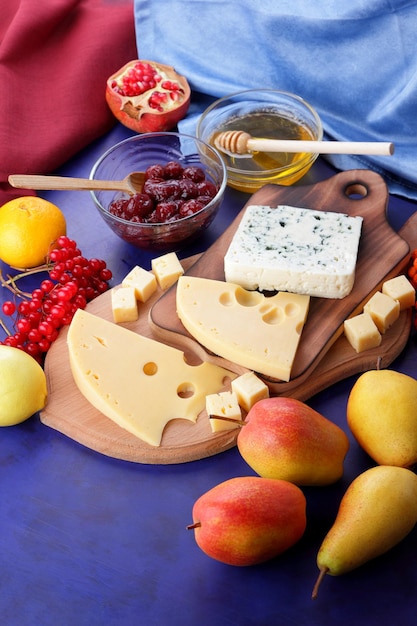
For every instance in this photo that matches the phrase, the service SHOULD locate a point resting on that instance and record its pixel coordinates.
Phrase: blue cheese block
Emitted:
(293, 249)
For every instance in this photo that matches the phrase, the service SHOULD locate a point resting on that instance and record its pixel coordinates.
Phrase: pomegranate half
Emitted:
(147, 96)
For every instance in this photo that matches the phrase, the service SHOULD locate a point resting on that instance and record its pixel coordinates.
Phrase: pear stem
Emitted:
(322, 574)
(192, 526)
(227, 419)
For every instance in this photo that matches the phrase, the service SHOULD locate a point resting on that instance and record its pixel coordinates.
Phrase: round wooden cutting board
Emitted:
(324, 356)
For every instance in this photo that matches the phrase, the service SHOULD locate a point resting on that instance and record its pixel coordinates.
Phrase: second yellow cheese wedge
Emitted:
(256, 332)
(139, 383)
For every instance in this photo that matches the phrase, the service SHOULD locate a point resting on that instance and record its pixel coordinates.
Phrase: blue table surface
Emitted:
(90, 540)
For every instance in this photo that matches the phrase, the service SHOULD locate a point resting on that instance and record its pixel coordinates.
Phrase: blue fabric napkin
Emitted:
(355, 62)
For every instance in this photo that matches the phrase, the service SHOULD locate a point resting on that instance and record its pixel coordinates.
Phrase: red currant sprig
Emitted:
(73, 282)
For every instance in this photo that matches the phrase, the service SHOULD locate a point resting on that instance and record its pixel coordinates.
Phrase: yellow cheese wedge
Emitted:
(243, 326)
(137, 382)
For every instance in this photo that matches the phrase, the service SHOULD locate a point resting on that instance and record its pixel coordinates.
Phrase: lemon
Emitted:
(29, 226)
(23, 389)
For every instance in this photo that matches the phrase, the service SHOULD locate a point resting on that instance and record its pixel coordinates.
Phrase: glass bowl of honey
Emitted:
(266, 114)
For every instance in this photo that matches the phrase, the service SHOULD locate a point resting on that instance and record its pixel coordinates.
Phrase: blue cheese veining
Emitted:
(294, 249)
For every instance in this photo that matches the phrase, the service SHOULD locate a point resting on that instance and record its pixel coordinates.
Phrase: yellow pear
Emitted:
(382, 415)
(377, 511)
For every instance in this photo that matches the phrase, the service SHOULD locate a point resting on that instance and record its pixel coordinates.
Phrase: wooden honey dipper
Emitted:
(238, 142)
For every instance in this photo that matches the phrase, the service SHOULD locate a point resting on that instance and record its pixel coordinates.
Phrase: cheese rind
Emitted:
(223, 404)
(137, 382)
(362, 332)
(259, 333)
(296, 250)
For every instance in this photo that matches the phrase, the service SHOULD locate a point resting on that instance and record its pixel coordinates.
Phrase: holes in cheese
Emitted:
(256, 332)
(150, 369)
(135, 381)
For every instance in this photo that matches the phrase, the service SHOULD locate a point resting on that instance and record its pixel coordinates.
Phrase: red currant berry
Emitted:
(23, 325)
(45, 328)
(34, 335)
(47, 286)
(44, 345)
(33, 349)
(105, 274)
(23, 307)
(9, 307)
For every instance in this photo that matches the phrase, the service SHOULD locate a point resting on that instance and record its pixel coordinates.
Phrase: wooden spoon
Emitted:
(133, 183)
(238, 142)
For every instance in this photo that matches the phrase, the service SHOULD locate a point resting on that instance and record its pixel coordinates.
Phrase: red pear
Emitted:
(286, 439)
(248, 520)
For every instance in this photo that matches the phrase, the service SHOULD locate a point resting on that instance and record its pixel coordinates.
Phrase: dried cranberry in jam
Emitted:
(162, 190)
(154, 171)
(190, 207)
(141, 204)
(206, 188)
(195, 173)
(165, 211)
(173, 169)
(188, 189)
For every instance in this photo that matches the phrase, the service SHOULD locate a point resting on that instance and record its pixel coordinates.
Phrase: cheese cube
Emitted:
(293, 249)
(362, 332)
(167, 269)
(143, 282)
(224, 404)
(124, 305)
(383, 310)
(249, 389)
(400, 288)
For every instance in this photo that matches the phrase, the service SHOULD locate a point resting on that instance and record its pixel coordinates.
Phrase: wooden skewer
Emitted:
(239, 142)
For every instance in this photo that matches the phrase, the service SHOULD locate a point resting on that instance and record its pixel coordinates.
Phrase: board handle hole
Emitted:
(356, 191)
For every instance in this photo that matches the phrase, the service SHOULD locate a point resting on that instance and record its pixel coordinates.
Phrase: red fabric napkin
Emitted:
(55, 58)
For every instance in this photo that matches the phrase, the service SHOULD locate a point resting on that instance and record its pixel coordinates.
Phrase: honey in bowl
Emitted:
(266, 114)
(279, 167)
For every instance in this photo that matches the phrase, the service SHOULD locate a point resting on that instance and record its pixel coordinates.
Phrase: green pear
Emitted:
(382, 415)
(377, 511)
(286, 439)
(248, 520)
